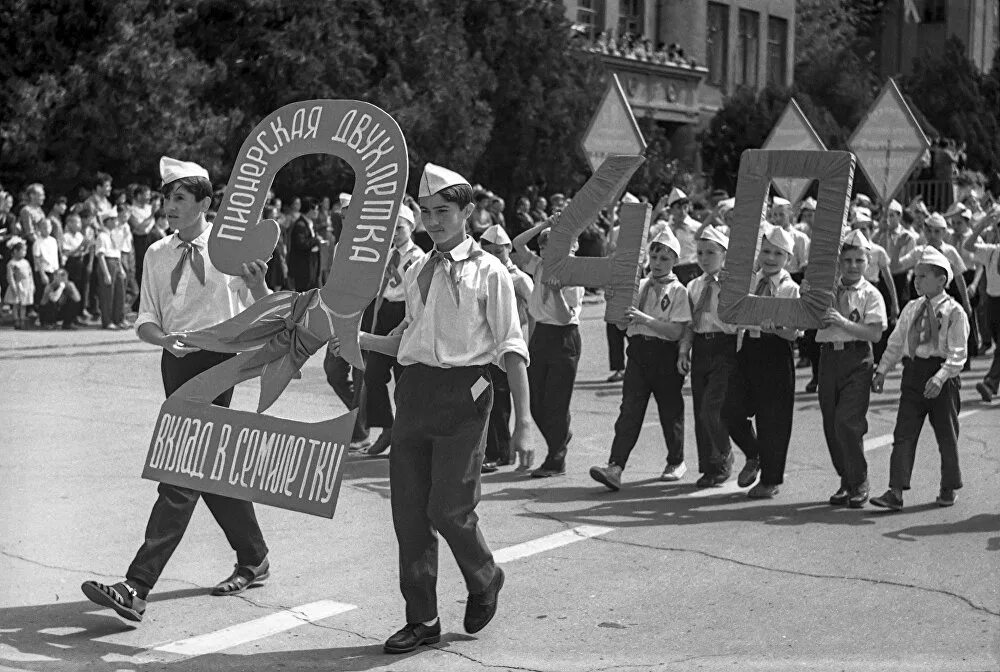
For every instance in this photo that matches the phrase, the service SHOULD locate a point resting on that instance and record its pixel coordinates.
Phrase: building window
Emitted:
(631, 17)
(590, 15)
(777, 50)
(748, 40)
(935, 11)
(717, 47)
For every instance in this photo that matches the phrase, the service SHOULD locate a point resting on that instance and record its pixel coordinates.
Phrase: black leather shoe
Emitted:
(859, 496)
(549, 469)
(489, 468)
(412, 636)
(840, 498)
(481, 607)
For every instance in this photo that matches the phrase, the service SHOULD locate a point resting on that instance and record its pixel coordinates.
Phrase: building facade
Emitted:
(678, 59)
(910, 28)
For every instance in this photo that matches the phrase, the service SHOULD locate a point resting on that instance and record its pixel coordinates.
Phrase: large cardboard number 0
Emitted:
(285, 463)
(835, 172)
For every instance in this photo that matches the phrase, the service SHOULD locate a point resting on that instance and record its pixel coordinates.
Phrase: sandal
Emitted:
(243, 577)
(131, 608)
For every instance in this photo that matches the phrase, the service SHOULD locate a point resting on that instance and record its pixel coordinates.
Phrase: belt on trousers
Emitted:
(845, 345)
(709, 335)
(649, 339)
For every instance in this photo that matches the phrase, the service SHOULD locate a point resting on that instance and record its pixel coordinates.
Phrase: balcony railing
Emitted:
(937, 194)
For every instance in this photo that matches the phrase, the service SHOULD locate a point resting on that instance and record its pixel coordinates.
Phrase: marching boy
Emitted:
(850, 327)
(656, 324)
(183, 291)
(708, 352)
(765, 384)
(930, 337)
(461, 316)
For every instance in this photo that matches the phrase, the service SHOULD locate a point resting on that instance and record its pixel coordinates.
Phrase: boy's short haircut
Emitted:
(85, 212)
(480, 195)
(849, 248)
(459, 194)
(199, 187)
(101, 178)
(657, 247)
(61, 200)
(938, 271)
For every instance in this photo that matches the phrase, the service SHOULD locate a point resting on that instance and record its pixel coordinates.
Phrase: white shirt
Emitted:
(123, 237)
(542, 304)
(408, 255)
(897, 244)
(46, 251)
(783, 287)
(865, 305)
(953, 336)
(141, 213)
(878, 259)
(988, 254)
(109, 244)
(71, 243)
(194, 306)
(523, 287)
(665, 302)
(480, 329)
(709, 321)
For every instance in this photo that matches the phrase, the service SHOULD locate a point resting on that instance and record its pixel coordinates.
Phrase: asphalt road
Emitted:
(656, 577)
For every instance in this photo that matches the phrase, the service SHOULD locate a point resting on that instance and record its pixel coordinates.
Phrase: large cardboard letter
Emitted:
(619, 274)
(835, 172)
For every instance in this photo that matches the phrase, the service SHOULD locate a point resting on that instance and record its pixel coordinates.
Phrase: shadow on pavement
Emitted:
(983, 522)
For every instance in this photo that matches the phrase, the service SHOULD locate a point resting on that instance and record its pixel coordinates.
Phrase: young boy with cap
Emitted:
(685, 228)
(878, 274)
(495, 241)
(708, 351)
(656, 325)
(379, 367)
(898, 242)
(765, 383)
(930, 337)
(935, 229)
(855, 321)
(183, 291)
(988, 254)
(555, 350)
(461, 316)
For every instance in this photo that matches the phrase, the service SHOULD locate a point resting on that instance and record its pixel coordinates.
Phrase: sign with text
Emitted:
(613, 129)
(835, 172)
(888, 142)
(793, 131)
(288, 464)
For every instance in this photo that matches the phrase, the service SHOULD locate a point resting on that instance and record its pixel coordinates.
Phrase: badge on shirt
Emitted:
(855, 316)
(665, 302)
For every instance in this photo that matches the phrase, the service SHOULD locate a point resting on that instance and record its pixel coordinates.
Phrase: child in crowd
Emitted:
(380, 368)
(111, 274)
(495, 241)
(708, 352)
(20, 284)
(46, 251)
(930, 337)
(461, 314)
(656, 324)
(987, 254)
(855, 321)
(878, 273)
(765, 384)
(555, 350)
(60, 302)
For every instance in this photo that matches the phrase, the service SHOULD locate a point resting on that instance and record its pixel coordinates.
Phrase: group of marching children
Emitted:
(739, 373)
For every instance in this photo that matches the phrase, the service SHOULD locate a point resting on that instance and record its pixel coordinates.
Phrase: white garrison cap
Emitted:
(629, 198)
(936, 220)
(863, 199)
(781, 239)
(496, 235)
(862, 215)
(172, 169)
(956, 208)
(727, 204)
(667, 238)
(896, 206)
(676, 195)
(857, 239)
(809, 204)
(405, 213)
(778, 200)
(713, 234)
(436, 178)
(931, 256)
(344, 198)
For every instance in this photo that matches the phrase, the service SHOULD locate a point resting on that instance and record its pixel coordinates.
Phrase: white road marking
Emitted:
(886, 439)
(242, 633)
(547, 543)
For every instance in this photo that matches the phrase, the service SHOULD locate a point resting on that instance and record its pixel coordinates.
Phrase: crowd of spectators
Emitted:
(639, 48)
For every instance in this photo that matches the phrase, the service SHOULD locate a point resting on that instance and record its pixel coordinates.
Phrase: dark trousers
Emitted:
(687, 272)
(498, 430)
(878, 349)
(616, 347)
(131, 285)
(713, 370)
(913, 408)
(76, 270)
(346, 382)
(903, 287)
(141, 243)
(845, 378)
(63, 310)
(438, 443)
(765, 390)
(555, 354)
(651, 370)
(380, 368)
(174, 505)
(112, 294)
(992, 378)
